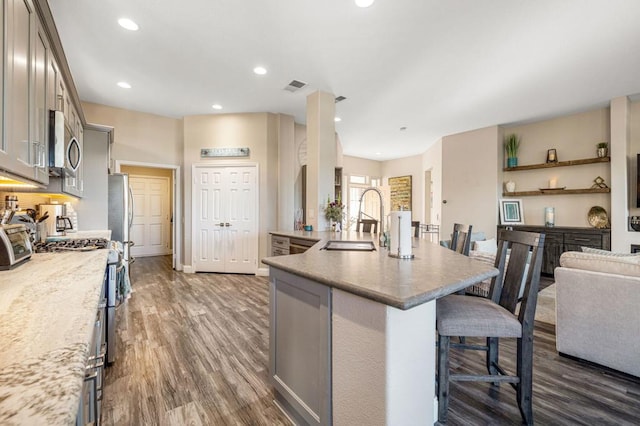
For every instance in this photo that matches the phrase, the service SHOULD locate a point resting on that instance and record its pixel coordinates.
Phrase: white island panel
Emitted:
(383, 362)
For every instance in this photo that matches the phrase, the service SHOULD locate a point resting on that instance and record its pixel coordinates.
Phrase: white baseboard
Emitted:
(263, 272)
(188, 269)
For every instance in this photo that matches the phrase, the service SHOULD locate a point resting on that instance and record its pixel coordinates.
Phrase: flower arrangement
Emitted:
(334, 209)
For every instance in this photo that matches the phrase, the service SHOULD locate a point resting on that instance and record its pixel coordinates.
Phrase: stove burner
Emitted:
(78, 243)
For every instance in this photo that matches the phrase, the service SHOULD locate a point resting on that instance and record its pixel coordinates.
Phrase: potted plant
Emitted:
(511, 145)
(603, 149)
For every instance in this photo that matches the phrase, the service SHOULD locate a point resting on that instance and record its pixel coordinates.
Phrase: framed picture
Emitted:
(511, 212)
(552, 156)
(400, 188)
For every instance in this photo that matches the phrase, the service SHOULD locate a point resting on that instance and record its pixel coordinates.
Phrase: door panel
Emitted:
(230, 193)
(150, 228)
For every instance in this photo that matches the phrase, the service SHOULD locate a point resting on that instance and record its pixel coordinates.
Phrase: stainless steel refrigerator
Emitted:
(121, 213)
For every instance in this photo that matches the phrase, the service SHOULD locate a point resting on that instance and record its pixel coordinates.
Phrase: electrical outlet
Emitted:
(634, 223)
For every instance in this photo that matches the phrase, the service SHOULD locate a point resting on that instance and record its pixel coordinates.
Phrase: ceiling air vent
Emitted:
(340, 99)
(295, 85)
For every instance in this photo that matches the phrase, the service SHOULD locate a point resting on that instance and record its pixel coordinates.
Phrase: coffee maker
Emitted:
(58, 223)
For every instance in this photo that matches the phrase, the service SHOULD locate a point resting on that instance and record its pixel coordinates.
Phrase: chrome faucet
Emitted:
(377, 191)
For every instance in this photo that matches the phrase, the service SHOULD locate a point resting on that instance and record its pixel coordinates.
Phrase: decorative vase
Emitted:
(510, 186)
(338, 227)
(512, 161)
(602, 152)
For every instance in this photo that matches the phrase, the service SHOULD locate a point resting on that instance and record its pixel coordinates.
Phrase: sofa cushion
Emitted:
(620, 265)
(607, 252)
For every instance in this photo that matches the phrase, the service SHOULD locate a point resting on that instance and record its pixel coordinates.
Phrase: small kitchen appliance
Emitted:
(58, 222)
(15, 246)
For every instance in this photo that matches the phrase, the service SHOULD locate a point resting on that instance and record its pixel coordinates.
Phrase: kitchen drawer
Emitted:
(278, 241)
(277, 251)
(588, 240)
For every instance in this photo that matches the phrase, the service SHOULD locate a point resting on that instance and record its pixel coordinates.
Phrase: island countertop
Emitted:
(434, 272)
(48, 309)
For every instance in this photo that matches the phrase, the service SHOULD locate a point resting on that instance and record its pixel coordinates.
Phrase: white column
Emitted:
(321, 156)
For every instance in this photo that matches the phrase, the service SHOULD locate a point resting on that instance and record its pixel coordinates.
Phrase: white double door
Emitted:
(225, 200)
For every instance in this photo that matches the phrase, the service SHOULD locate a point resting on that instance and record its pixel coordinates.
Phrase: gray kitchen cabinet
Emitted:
(25, 109)
(300, 346)
(40, 110)
(20, 21)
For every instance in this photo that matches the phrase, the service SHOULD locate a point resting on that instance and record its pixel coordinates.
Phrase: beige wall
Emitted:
(574, 137)
(256, 131)
(139, 136)
(408, 166)
(354, 166)
(470, 163)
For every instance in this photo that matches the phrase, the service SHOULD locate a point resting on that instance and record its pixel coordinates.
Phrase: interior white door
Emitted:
(225, 219)
(151, 216)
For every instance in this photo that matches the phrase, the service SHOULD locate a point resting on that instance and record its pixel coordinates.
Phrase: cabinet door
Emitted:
(40, 110)
(20, 21)
(553, 245)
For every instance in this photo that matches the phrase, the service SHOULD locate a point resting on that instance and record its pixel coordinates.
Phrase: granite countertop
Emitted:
(402, 283)
(48, 309)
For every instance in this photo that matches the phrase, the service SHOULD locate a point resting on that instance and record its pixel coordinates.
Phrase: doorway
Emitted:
(172, 173)
(150, 228)
(225, 218)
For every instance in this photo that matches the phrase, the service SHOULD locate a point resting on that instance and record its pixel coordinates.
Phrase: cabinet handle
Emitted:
(227, 224)
(582, 239)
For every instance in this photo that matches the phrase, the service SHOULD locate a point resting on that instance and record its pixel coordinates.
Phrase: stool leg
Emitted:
(443, 377)
(492, 357)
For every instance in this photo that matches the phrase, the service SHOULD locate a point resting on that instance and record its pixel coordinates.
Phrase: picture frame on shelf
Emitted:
(552, 156)
(511, 212)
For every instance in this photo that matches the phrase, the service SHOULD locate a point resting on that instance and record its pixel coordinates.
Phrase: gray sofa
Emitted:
(598, 309)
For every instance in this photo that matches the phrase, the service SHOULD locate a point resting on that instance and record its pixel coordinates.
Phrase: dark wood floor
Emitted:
(194, 347)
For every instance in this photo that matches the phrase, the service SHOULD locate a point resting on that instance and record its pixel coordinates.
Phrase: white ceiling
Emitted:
(437, 67)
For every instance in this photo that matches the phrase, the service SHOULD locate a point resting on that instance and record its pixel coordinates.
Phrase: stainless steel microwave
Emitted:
(15, 246)
(64, 150)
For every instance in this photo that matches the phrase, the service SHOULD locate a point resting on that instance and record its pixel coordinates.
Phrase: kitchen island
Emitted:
(48, 311)
(352, 333)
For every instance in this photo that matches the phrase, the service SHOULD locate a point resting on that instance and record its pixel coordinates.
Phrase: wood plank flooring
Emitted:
(193, 349)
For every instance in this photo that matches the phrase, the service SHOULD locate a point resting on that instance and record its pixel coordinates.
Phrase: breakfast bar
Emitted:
(352, 333)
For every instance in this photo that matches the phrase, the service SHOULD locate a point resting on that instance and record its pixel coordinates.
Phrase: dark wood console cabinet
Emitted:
(564, 238)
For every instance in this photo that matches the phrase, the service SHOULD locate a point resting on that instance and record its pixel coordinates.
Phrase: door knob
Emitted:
(444, 201)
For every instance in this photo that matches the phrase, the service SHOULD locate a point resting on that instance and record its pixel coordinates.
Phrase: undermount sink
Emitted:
(349, 245)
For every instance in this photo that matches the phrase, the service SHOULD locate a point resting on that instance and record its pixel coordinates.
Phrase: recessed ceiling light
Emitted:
(364, 3)
(216, 106)
(260, 70)
(378, 153)
(128, 24)
(337, 119)
(124, 85)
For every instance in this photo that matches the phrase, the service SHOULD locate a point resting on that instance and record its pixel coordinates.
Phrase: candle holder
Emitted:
(549, 217)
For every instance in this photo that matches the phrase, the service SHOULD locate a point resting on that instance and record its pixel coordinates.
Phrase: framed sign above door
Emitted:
(400, 188)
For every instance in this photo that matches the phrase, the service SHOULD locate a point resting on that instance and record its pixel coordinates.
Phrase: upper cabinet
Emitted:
(33, 85)
(19, 22)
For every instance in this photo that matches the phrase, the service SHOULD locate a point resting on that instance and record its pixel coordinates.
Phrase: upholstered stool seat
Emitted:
(458, 315)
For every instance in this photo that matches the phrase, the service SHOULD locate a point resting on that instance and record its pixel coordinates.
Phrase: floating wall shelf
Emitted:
(559, 164)
(557, 192)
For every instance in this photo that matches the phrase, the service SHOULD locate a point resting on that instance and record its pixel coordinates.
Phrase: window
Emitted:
(370, 203)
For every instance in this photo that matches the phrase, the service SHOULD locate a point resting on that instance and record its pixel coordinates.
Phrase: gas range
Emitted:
(77, 244)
